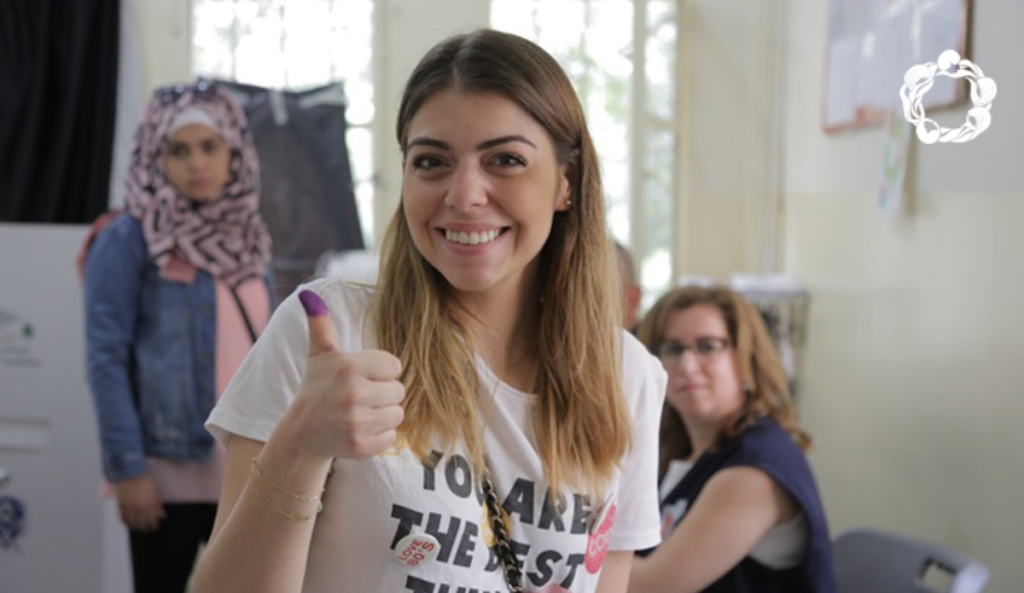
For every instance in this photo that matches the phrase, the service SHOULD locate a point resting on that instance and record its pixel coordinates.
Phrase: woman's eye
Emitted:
(426, 162)
(211, 146)
(510, 160)
(178, 151)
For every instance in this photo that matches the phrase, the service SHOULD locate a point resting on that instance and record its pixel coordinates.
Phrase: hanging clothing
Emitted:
(307, 194)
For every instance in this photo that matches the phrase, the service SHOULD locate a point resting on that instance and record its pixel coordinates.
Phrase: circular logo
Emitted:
(417, 548)
(920, 79)
(12, 520)
(597, 543)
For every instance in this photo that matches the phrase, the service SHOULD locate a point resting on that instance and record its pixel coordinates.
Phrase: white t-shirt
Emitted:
(371, 504)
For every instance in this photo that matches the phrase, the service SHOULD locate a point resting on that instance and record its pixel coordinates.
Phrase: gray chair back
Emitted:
(873, 561)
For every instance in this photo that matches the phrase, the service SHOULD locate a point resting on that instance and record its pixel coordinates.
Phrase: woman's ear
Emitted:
(564, 192)
(566, 173)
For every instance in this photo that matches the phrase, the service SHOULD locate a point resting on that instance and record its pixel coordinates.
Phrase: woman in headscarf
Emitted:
(176, 292)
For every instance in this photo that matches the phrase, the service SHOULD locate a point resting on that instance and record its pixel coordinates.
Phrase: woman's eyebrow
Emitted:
(440, 144)
(503, 140)
(428, 142)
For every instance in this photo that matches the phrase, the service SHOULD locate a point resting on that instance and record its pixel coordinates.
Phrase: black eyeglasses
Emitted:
(202, 88)
(706, 349)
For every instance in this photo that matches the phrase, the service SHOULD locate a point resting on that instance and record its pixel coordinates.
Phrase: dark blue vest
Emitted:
(769, 448)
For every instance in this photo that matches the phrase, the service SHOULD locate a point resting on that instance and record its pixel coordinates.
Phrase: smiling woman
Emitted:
(477, 420)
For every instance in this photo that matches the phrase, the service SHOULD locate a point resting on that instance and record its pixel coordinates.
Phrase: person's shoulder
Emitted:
(114, 239)
(117, 225)
(643, 377)
(767, 429)
(768, 441)
(768, 447)
(634, 353)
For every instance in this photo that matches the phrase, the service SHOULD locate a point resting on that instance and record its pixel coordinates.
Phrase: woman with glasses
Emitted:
(176, 291)
(740, 508)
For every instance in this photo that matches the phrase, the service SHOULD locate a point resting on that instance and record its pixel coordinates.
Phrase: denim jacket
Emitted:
(150, 354)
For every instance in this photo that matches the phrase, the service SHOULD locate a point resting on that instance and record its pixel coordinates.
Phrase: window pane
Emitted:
(660, 69)
(659, 213)
(307, 41)
(659, 176)
(592, 41)
(259, 58)
(213, 45)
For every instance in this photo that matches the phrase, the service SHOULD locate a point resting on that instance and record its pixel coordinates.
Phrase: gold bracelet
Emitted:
(257, 474)
(289, 515)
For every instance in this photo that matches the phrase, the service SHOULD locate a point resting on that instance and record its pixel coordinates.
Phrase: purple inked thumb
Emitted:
(321, 332)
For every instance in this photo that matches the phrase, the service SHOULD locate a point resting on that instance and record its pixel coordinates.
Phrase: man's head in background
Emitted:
(630, 287)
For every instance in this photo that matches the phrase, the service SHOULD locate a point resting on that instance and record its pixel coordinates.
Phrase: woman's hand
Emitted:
(349, 405)
(139, 502)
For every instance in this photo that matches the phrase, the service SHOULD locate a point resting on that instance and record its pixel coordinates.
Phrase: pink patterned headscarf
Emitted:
(225, 236)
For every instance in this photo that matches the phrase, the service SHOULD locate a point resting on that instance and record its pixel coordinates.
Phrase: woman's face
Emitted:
(481, 186)
(704, 383)
(196, 162)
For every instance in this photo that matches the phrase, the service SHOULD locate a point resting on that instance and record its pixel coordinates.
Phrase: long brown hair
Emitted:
(766, 387)
(581, 421)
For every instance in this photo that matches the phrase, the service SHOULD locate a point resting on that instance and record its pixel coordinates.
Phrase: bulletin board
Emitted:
(872, 44)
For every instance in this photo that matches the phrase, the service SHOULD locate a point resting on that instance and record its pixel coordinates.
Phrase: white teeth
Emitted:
(473, 238)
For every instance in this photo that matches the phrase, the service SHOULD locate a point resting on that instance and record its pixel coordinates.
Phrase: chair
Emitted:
(872, 561)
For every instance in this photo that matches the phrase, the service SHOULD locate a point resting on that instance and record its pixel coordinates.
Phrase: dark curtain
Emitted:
(58, 89)
(306, 191)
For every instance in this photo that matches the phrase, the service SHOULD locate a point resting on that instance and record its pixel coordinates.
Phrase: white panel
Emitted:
(48, 438)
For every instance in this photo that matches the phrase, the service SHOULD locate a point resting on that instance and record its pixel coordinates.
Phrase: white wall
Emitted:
(913, 386)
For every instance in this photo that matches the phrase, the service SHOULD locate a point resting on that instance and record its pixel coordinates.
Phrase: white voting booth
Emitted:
(56, 532)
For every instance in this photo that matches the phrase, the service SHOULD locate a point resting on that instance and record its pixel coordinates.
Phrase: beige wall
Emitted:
(913, 384)
(729, 101)
(407, 29)
(165, 39)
